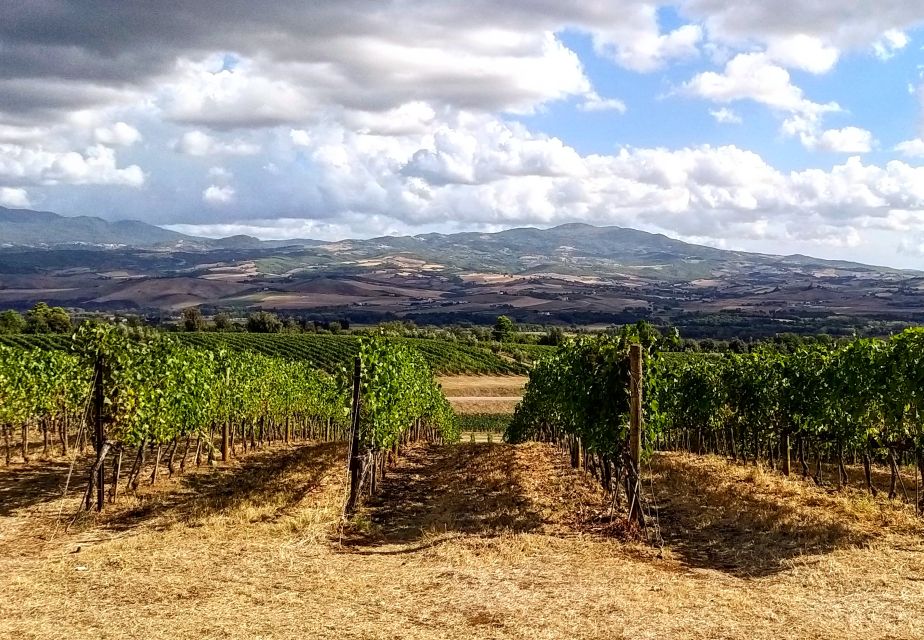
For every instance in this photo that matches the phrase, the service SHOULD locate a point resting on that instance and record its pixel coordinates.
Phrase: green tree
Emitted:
(192, 319)
(12, 322)
(222, 322)
(44, 319)
(263, 322)
(554, 337)
(504, 328)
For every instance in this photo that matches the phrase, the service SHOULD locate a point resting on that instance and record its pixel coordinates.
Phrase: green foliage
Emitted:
(44, 319)
(490, 422)
(12, 322)
(398, 391)
(504, 329)
(864, 396)
(157, 389)
(582, 391)
(263, 322)
(193, 320)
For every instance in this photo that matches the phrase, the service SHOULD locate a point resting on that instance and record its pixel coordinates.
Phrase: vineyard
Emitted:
(331, 352)
(146, 394)
(239, 467)
(860, 402)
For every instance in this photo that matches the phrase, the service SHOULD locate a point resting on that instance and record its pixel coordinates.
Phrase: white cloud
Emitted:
(911, 148)
(801, 51)
(220, 173)
(300, 137)
(754, 76)
(725, 116)
(891, 42)
(218, 195)
(594, 102)
(119, 134)
(846, 140)
(636, 42)
(197, 143)
(14, 197)
(96, 165)
(395, 115)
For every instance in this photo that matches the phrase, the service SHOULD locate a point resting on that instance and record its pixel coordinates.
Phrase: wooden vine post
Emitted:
(355, 466)
(226, 423)
(98, 470)
(635, 434)
(100, 437)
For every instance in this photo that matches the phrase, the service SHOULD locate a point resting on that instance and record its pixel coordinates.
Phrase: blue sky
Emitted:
(793, 126)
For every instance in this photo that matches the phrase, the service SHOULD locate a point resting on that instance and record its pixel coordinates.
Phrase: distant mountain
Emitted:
(568, 249)
(582, 249)
(44, 229)
(22, 227)
(573, 273)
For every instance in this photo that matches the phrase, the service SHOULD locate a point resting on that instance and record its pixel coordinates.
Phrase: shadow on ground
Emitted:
(463, 488)
(725, 522)
(275, 481)
(24, 486)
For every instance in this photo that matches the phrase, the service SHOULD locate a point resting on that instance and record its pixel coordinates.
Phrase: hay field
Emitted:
(464, 541)
(483, 394)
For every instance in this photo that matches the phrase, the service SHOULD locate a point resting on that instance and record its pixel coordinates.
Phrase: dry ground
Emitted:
(483, 394)
(465, 541)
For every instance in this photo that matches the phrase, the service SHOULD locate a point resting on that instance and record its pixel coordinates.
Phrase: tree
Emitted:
(222, 321)
(263, 322)
(554, 337)
(12, 322)
(44, 319)
(504, 328)
(192, 319)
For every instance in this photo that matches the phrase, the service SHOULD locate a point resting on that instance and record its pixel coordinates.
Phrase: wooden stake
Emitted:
(355, 465)
(100, 437)
(635, 434)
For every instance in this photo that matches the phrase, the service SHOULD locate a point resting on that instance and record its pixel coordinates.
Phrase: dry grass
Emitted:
(471, 405)
(483, 386)
(472, 541)
(483, 394)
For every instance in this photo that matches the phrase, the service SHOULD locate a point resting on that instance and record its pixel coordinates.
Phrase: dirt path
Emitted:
(465, 541)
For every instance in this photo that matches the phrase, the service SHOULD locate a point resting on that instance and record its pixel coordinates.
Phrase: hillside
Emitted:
(573, 273)
(27, 228)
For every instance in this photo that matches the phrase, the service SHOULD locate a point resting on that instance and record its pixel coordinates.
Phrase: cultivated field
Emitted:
(463, 541)
(483, 394)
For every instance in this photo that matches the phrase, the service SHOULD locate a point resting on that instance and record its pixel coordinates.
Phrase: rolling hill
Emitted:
(573, 273)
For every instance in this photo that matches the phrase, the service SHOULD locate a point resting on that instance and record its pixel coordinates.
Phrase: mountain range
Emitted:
(574, 273)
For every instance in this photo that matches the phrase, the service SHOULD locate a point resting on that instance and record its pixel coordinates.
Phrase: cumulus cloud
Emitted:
(725, 116)
(891, 42)
(911, 148)
(846, 140)
(363, 116)
(801, 51)
(754, 76)
(594, 102)
(220, 173)
(300, 137)
(96, 165)
(218, 195)
(198, 143)
(119, 134)
(14, 197)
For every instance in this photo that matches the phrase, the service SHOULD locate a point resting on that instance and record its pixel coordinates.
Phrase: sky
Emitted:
(793, 126)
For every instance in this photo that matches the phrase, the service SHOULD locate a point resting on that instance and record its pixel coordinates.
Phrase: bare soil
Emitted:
(463, 541)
